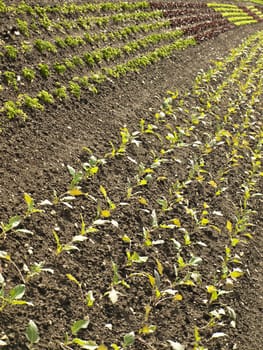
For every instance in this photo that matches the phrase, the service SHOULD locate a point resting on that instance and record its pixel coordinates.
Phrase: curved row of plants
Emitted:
(158, 49)
(239, 15)
(174, 233)
(68, 64)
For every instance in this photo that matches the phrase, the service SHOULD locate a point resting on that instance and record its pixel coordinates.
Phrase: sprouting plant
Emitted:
(92, 166)
(44, 46)
(35, 269)
(60, 68)
(67, 246)
(44, 70)
(11, 79)
(13, 297)
(215, 293)
(32, 334)
(29, 74)
(74, 41)
(60, 42)
(11, 51)
(112, 206)
(45, 97)
(135, 258)
(76, 177)
(26, 47)
(74, 340)
(60, 92)
(12, 224)
(89, 59)
(23, 27)
(197, 337)
(12, 110)
(75, 89)
(69, 64)
(128, 340)
(77, 61)
(112, 293)
(30, 102)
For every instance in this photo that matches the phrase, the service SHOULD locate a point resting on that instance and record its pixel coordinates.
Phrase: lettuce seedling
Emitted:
(32, 334)
(13, 297)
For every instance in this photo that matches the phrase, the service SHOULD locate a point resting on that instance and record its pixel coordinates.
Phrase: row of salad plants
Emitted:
(163, 256)
(24, 28)
(104, 61)
(256, 11)
(72, 8)
(47, 25)
(91, 60)
(239, 15)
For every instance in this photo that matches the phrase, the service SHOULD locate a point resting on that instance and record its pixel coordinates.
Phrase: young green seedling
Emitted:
(35, 269)
(112, 293)
(31, 208)
(32, 334)
(13, 297)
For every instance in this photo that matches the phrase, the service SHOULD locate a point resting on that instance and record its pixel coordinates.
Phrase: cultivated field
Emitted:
(131, 176)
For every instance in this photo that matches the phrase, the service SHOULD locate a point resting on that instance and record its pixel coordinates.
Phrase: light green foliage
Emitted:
(13, 297)
(45, 97)
(23, 27)
(10, 79)
(32, 333)
(29, 74)
(44, 46)
(11, 51)
(13, 110)
(44, 70)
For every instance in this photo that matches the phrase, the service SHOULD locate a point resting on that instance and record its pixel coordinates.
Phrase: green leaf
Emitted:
(78, 325)
(236, 273)
(195, 260)
(32, 332)
(73, 279)
(85, 344)
(14, 221)
(128, 339)
(59, 246)
(71, 170)
(17, 292)
(229, 226)
(115, 347)
(139, 259)
(29, 201)
(103, 191)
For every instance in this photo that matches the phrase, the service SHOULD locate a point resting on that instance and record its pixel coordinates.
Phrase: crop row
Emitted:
(59, 44)
(96, 57)
(72, 8)
(31, 27)
(260, 2)
(239, 15)
(198, 142)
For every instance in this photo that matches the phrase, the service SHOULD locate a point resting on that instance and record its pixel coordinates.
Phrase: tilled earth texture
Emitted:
(130, 175)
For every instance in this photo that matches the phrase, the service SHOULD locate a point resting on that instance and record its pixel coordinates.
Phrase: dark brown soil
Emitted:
(34, 155)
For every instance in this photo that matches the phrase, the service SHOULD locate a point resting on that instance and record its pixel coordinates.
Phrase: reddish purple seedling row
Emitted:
(195, 19)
